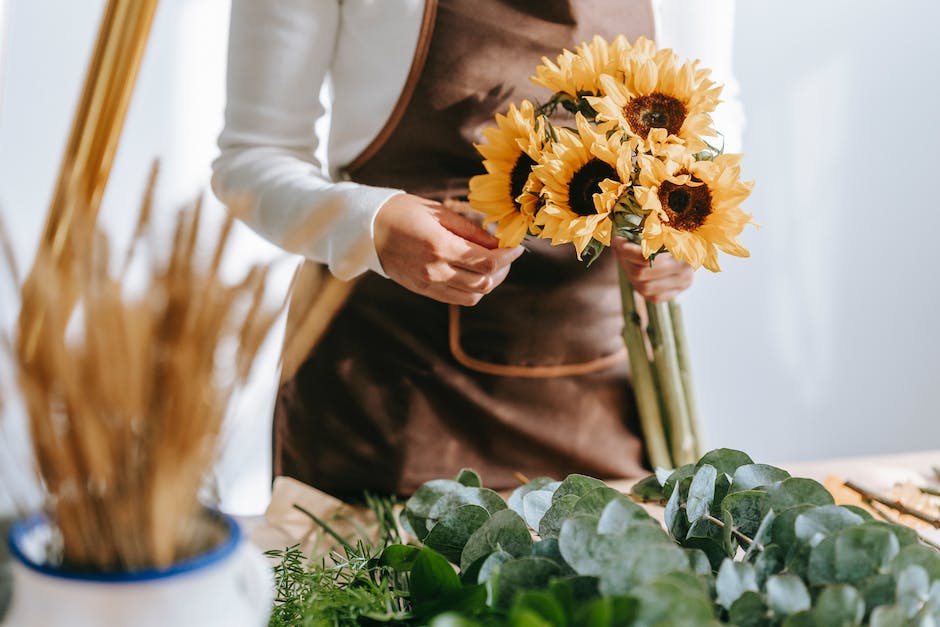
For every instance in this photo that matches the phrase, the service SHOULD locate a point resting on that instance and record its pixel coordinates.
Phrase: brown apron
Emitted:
(403, 389)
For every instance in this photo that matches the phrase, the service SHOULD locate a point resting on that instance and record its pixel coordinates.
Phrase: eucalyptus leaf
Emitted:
(749, 611)
(665, 603)
(560, 510)
(641, 564)
(878, 589)
(747, 509)
(913, 586)
(418, 508)
(468, 477)
(888, 616)
(595, 501)
(401, 557)
(821, 568)
(839, 604)
(549, 549)
(620, 514)
(801, 619)
(489, 500)
(539, 483)
(662, 475)
(524, 573)
(920, 555)
(649, 489)
(492, 564)
(701, 492)
(769, 562)
(863, 551)
(699, 562)
(680, 473)
(905, 535)
(819, 522)
(450, 534)
(534, 506)
(579, 485)
(725, 460)
(754, 476)
(787, 594)
(783, 533)
(607, 612)
(504, 530)
(452, 619)
(798, 491)
(763, 535)
(734, 579)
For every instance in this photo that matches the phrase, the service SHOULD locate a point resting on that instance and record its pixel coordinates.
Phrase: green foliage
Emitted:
(744, 544)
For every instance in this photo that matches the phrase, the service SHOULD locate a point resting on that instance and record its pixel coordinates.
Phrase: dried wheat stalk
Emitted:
(125, 397)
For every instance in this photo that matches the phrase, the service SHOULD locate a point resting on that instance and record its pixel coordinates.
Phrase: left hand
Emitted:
(660, 282)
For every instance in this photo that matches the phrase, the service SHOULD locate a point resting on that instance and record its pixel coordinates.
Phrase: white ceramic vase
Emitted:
(229, 585)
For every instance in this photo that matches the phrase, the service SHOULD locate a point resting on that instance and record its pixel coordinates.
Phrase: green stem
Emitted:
(666, 364)
(685, 372)
(644, 385)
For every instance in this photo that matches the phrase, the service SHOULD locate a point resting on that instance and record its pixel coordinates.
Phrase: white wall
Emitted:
(824, 343)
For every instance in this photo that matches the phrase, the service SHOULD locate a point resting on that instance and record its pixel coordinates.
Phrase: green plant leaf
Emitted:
(863, 551)
(452, 619)
(491, 564)
(649, 489)
(534, 506)
(749, 611)
(607, 612)
(489, 500)
(468, 477)
(747, 509)
(595, 501)
(710, 539)
(798, 491)
(763, 535)
(579, 485)
(465, 600)
(787, 594)
(734, 579)
(676, 477)
(783, 532)
(401, 557)
(769, 562)
(676, 522)
(913, 587)
(877, 590)
(888, 616)
(539, 483)
(540, 604)
(699, 562)
(919, 555)
(560, 510)
(432, 576)
(801, 619)
(450, 534)
(665, 603)
(504, 530)
(754, 476)
(725, 460)
(524, 573)
(620, 514)
(839, 604)
(701, 492)
(905, 535)
(418, 507)
(819, 522)
(821, 568)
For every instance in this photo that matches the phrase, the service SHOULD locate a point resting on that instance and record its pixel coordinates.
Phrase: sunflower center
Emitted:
(687, 207)
(518, 177)
(585, 183)
(654, 111)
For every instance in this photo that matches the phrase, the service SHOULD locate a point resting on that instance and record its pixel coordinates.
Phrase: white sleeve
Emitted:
(698, 29)
(279, 56)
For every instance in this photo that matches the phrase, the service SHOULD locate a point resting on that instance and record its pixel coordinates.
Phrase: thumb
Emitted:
(467, 229)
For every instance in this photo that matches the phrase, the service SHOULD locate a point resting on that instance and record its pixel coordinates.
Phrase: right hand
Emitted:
(437, 253)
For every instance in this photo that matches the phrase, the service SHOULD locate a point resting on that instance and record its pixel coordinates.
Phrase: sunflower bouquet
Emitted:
(623, 147)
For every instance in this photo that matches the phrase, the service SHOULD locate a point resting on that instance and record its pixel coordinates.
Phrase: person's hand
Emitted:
(660, 282)
(437, 253)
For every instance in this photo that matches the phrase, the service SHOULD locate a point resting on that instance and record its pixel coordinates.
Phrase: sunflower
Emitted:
(657, 99)
(583, 173)
(694, 207)
(507, 194)
(576, 73)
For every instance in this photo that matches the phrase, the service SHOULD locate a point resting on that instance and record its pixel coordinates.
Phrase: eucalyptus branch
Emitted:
(737, 534)
(894, 504)
(930, 491)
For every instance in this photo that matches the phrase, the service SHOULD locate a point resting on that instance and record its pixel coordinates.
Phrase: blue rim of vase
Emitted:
(22, 528)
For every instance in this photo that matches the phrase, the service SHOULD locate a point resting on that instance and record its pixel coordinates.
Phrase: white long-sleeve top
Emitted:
(282, 149)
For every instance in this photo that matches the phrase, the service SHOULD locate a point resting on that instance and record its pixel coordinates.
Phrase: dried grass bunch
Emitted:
(126, 396)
